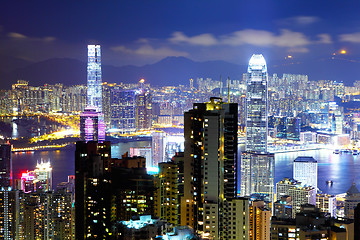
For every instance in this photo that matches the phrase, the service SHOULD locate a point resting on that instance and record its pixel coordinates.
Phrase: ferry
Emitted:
(336, 151)
(355, 152)
(329, 182)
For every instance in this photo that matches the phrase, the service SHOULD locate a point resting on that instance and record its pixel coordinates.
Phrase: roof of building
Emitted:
(305, 159)
(353, 190)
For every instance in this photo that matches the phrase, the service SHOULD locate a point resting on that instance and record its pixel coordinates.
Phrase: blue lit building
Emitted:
(257, 105)
(94, 77)
(257, 165)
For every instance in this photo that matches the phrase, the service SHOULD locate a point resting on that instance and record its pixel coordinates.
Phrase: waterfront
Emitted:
(342, 169)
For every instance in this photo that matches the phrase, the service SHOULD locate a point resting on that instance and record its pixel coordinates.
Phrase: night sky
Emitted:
(142, 32)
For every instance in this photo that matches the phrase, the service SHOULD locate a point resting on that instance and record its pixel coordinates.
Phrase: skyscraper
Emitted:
(5, 166)
(92, 124)
(94, 77)
(210, 160)
(257, 165)
(257, 105)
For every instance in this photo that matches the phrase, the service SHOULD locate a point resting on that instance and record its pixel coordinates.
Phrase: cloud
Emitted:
(147, 50)
(350, 37)
(304, 20)
(324, 38)
(299, 20)
(19, 36)
(286, 38)
(205, 39)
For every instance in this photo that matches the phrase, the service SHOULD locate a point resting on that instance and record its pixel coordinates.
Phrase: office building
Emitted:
(293, 128)
(257, 165)
(143, 115)
(92, 123)
(281, 127)
(123, 109)
(94, 78)
(43, 177)
(5, 166)
(92, 126)
(257, 175)
(158, 148)
(257, 105)
(305, 171)
(210, 160)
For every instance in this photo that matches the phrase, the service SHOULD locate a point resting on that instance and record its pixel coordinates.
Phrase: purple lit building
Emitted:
(92, 126)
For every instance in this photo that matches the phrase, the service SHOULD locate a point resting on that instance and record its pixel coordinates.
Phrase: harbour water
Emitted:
(342, 169)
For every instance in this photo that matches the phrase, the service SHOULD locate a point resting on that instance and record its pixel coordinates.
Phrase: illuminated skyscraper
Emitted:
(43, 173)
(257, 105)
(92, 124)
(257, 165)
(210, 163)
(5, 166)
(94, 77)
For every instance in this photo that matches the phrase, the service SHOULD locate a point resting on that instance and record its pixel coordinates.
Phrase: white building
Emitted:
(305, 171)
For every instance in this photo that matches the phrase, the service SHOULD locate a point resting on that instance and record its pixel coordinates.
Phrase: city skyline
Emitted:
(273, 155)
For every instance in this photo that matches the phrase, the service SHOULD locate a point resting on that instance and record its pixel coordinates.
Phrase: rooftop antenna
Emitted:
(228, 83)
(220, 86)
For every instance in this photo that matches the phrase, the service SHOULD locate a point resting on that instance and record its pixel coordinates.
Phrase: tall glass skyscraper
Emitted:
(257, 165)
(257, 105)
(94, 78)
(92, 125)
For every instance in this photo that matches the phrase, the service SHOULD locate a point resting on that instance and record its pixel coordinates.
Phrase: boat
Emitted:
(329, 182)
(355, 152)
(336, 151)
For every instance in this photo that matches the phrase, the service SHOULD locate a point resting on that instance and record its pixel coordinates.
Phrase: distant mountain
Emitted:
(171, 71)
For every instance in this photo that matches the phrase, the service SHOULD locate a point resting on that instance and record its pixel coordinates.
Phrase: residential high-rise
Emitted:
(210, 163)
(92, 208)
(166, 196)
(5, 166)
(94, 78)
(9, 214)
(326, 203)
(301, 196)
(305, 171)
(237, 219)
(259, 221)
(257, 165)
